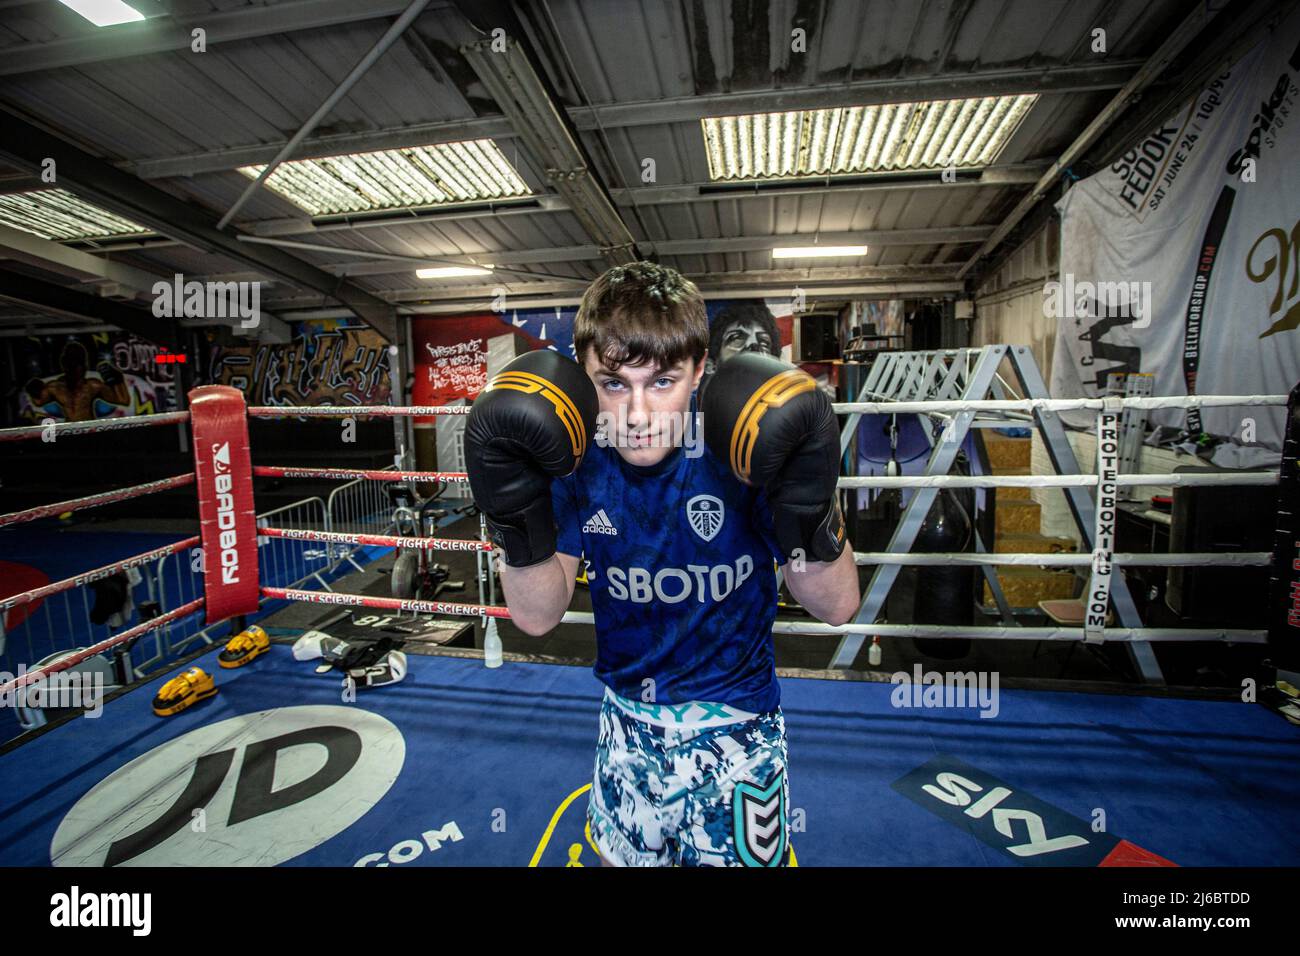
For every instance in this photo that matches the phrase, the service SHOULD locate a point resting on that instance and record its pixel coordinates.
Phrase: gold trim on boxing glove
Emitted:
(773, 393)
(565, 409)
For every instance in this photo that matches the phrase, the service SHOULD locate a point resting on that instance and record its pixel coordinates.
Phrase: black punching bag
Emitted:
(939, 594)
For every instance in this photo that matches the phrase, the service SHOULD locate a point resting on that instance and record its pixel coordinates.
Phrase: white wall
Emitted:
(1009, 303)
(1009, 309)
(1057, 521)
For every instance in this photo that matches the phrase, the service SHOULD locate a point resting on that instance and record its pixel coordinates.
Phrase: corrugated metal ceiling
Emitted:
(596, 53)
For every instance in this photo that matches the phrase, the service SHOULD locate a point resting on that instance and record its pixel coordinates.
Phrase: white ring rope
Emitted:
(1186, 479)
(1068, 559)
(1028, 633)
(1052, 404)
(1085, 560)
(842, 408)
(1009, 633)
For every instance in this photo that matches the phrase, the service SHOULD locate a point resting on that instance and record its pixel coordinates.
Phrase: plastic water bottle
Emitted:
(874, 652)
(491, 644)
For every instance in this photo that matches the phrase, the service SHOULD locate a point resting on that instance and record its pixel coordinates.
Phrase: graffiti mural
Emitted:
(85, 377)
(324, 364)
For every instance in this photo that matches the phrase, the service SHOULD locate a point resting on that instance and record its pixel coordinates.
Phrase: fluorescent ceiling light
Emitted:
(410, 178)
(104, 13)
(59, 215)
(452, 272)
(850, 140)
(817, 252)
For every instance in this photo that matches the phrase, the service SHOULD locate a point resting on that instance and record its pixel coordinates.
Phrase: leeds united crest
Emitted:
(705, 514)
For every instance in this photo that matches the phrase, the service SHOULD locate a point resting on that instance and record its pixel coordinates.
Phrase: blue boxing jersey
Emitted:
(679, 558)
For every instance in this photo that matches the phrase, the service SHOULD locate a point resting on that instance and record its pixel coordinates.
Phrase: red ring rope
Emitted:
(94, 501)
(386, 604)
(73, 659)
(275, 471)
(382, 540)
(99, 425)
(67, 584)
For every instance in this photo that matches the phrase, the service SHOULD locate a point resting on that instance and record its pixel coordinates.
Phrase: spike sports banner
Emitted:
(1182, 259)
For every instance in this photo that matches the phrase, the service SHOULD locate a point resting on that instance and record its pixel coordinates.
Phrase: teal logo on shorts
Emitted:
(760, 822)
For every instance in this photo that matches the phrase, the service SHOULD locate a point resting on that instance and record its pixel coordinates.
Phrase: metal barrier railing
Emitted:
(358, 507)
(363, 507)
(283, 559)
(59, 622)
(185, 573)
(62, 621)
(291, 562)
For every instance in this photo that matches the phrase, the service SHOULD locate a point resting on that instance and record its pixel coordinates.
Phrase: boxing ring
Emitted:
(461, 764)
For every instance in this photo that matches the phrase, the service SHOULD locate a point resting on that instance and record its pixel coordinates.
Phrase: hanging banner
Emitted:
(1180, 259)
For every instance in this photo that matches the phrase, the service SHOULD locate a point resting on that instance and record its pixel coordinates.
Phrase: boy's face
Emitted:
(643, 410)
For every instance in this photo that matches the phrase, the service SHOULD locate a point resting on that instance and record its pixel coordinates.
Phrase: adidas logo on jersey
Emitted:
(599, 523)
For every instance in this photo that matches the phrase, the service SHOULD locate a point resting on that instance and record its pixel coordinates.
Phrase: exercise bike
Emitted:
(415, 574)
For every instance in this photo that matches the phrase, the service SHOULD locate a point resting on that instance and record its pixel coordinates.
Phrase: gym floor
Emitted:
(462, 765)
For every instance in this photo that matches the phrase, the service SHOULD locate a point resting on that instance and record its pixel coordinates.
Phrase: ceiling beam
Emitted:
(164, 34)
(301, 225)
(810, 279)
(1014, 174)
(1068, 79)
(60, 300)
(479, 296)
(524, 300)
(48, 254)
(676, 247)
(128, 281)
(1008, 175)
(411, 262)
(1245, 28)
(990, 177)
(395, 30)
(527, 100)
(958, 85)
(316, 147)
(1191, 26)
(28, 146)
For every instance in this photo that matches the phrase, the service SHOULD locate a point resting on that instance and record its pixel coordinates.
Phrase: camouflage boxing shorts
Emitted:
(695, 784)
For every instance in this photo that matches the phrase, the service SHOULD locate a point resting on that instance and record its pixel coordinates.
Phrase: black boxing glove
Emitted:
(775, 428)
(532, 423)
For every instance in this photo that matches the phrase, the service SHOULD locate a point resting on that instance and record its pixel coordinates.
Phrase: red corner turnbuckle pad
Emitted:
(224, 478)
(1130, 854)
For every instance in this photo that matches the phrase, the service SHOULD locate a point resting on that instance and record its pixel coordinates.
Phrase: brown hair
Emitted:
(641, 313)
